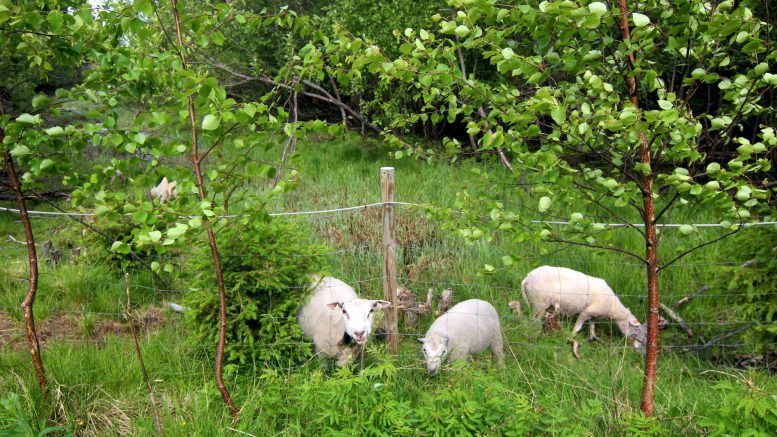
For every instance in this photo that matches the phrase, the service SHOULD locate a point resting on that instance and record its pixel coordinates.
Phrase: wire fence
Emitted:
(368, 282)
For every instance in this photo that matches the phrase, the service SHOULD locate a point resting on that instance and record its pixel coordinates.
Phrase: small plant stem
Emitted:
(32, 257)
(134, 332)
(211, 236)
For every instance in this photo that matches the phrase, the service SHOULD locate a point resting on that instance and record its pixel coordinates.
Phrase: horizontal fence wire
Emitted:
(380, 204)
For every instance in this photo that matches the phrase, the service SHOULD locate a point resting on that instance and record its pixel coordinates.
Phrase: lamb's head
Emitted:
(435, 350)
(357, 316)
(637, 333)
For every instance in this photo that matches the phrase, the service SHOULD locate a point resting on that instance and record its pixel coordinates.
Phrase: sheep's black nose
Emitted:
(358, 334)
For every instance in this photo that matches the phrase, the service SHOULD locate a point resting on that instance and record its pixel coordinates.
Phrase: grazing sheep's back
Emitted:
(468, 328)
(471, 325)
(573, 291)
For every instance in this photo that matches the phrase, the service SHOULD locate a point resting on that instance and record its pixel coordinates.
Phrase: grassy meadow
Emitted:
(542, 389)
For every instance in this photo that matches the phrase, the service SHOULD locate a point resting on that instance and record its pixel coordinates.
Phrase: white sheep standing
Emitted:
(467, 328)
(164, 191)
(570, 292)
(335, 316)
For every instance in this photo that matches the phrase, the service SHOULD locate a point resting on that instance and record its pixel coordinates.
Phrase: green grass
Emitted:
(99, 390)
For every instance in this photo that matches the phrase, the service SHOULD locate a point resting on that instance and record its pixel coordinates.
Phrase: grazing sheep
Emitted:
(164, 191)
(467, 328)
(570, 292)
(335, 317)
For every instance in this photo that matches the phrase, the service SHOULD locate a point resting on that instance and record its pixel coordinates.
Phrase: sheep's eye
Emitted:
(345, 313)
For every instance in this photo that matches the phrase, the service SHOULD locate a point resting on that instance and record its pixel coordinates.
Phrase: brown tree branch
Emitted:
(32, 258)
(211, 236)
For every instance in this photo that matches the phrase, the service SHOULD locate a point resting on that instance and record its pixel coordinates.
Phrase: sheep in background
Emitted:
(570, 292)
(164, 191)
(335, 317)
(467, 328)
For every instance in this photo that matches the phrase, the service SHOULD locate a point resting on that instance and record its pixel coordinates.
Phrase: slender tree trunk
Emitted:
(651, 238)
(134, 328)
(32, 256)
(211, 236)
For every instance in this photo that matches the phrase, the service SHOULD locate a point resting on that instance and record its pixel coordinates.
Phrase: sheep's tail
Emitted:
(523, 290)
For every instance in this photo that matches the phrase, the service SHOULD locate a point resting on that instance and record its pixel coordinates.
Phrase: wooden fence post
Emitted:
(389, 256)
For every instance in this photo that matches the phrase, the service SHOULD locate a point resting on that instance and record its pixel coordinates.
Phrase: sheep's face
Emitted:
(435, 350)
(637, 333)
(357, 316)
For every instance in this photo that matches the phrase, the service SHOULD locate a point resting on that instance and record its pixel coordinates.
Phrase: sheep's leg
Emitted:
(497, 350)
(551, 318)
(592, 332)
(581, 319)
(345, 356)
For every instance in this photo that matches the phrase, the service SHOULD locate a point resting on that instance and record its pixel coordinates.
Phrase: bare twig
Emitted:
(679, 320)
(134, 331)
(715, 341)
(690, 297)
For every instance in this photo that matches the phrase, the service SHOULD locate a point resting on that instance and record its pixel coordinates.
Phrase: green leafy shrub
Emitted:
(376, 402)
(96, 247)
(265, 266)
(752, 280)
(744, 409)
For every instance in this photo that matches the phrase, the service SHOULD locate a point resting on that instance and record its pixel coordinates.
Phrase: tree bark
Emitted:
(211, 236)
(651, 238)
(32, 257)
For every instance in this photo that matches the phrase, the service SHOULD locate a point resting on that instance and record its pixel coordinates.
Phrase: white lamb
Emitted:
(467, 328)
(164, 191)
(570, 292)
(334, 317)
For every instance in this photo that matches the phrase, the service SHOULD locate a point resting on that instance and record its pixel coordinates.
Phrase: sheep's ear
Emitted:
(447, 339)
(634, 322)
(421, 340)
(380, 304)
(335, 305)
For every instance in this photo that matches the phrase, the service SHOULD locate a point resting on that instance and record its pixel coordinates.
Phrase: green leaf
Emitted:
(155, 266)
(46, 163)
(597, 8)
(101, 210)
(28, 119)
(20, 150)
(54, 131)
(640, 20)
(507, 260)
(120, 247)
(462, 31)
(210, 122)
(686, 229)
(488, 267)
(169, 268)
(713, 168)
(544, 203)
(155, 236)
(558, 114)
(507, 53)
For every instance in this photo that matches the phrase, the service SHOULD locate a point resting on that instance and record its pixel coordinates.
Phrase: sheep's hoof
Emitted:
(575, 348)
